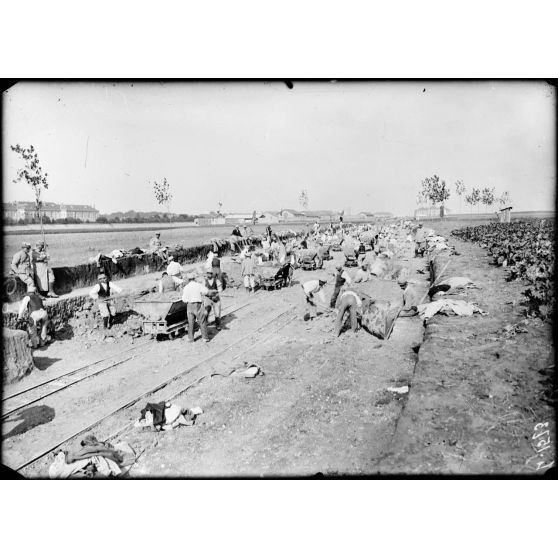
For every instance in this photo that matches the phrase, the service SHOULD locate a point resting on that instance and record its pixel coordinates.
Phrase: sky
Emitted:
(358, 146)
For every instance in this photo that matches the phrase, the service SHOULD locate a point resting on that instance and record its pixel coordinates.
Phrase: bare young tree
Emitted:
(163, 194)
(303, 199)
(460, 191)
(32, 173)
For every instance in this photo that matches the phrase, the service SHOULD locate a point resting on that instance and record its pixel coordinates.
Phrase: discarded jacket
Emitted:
(166, 416)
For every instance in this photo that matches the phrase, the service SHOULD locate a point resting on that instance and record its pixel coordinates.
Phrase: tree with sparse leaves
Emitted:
(460, 191)
(488, 197)
(473, 198)
(163, 194)
(32, 173)
(303, 199)
(435, 190)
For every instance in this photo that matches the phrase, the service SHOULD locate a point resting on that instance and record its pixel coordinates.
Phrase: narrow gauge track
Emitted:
(47, 388)
(162, 385)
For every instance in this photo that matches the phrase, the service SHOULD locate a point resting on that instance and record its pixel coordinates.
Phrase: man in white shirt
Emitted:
(362, 275)
(174, 269)
(34, 303)
(312, 289)
(192, 295)
(102, 292)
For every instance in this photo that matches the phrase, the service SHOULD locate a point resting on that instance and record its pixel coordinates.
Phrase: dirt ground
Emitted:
(322, 406)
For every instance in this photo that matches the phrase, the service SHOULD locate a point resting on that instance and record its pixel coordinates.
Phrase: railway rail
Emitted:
(45, 389)
(247, 342)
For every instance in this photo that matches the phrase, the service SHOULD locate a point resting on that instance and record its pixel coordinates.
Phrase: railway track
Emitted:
(247, 341)
(42, 390)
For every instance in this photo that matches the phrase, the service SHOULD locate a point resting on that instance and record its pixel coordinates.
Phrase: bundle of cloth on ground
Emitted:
(450, 285)
(90, 458)
(166, 416)
(449, 307)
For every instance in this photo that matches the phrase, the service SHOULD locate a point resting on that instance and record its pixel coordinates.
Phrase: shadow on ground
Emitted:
(29, 418)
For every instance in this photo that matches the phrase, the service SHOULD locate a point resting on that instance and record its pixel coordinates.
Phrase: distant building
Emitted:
(82, 212)
(365, 215)
(427, 212)
(209, 219)
(241, 218)
(27, 210)
(269, 217)
(323, 215)
(505, 215)
(292, 215)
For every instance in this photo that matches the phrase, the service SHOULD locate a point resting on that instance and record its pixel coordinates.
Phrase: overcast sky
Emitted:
(359, 145)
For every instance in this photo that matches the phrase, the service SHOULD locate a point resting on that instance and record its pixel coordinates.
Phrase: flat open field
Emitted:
(76, 248)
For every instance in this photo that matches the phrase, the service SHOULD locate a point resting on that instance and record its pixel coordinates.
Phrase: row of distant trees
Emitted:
(435, 191)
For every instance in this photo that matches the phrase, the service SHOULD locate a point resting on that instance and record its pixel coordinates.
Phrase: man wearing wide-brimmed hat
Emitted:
(102, 293)
(22, 264)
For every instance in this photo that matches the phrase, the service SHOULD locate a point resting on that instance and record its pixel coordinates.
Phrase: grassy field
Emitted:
(76, 248)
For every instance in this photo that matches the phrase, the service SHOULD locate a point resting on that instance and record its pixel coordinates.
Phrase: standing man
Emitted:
(311, 289)
(247, 272)
(38, 314)
(22, 266)
(341, 277)
(44, 276)
(212, 299)
(420, 241)
(192, 295)
(101, 292)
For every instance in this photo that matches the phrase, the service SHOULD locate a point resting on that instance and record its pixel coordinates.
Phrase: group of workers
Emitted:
(203, 297)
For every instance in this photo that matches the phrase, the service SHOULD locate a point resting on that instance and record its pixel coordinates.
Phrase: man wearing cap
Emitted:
(155, 243)
(341, 277)
(22, 265)
(101, 292)
(44, 276)
(34, 303)
(212, 298)
(192, 295)
(313, 288)
(420, 241)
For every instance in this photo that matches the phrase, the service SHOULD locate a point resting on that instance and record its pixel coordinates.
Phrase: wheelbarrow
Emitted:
(163, 315)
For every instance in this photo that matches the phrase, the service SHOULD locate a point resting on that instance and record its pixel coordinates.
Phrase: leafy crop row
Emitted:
(525, 247)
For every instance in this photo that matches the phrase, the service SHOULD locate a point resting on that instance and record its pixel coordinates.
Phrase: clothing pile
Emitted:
(91, 459)
(449, 307)
(166, 416)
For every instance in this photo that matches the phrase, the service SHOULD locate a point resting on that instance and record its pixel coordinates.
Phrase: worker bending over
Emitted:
(341, 277)
(101, 292)
(314, 289)
(410, 299)
(355, 305)
(38, 314)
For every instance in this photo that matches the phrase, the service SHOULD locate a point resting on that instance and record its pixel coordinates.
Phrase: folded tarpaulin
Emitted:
(448, 306)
